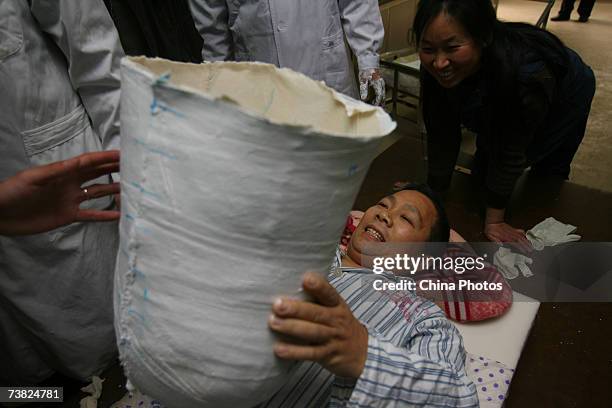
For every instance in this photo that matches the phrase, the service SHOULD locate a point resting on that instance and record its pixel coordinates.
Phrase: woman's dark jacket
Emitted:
(513, 133)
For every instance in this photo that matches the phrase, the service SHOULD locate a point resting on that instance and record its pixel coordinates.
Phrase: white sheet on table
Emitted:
(502, 339)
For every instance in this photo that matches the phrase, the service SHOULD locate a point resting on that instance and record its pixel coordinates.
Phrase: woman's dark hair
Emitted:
(440, 229)
(504, 45)
(477, 17)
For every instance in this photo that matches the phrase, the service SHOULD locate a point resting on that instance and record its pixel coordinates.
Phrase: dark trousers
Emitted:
(157, 28)
(584, 8)
(555, 145)
(567, 126)
(558, 161)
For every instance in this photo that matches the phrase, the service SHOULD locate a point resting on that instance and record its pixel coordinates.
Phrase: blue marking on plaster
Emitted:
(157, 107)
(144, 230)
(138, 315)
(162, 79)
(137, 272)
(171, 110)
(155, 150)
(153, 107)
(145, 294)
(352, 170)
(143, 190)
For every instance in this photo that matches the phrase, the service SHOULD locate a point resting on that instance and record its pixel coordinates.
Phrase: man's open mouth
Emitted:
(445, 75)
(374, 234)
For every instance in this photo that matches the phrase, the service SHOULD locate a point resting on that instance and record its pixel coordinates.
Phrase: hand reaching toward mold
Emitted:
(47, 197)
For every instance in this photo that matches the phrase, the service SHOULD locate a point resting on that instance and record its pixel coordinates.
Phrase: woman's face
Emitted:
(448, 52)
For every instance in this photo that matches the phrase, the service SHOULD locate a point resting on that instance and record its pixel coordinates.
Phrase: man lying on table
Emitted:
(459, 304)
(363, 347)
(367, 348)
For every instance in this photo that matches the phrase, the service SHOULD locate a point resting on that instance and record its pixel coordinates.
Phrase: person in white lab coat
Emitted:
(307, 36)
(59, 75)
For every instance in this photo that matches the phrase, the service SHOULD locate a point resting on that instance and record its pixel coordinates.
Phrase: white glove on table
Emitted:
(551, 232)
(371, 77)
(510, 263)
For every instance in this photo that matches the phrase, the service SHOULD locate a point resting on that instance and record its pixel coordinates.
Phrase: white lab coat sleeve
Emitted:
(85, 33)
(211, 18)
(364, 30)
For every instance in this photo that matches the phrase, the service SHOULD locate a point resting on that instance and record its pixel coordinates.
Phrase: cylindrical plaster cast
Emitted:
(236, 179)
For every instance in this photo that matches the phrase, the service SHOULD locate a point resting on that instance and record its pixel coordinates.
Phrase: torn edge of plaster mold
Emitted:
(352, 107)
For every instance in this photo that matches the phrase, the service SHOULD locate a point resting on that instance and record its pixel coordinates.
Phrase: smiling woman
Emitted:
(524, 94)
(448, 52)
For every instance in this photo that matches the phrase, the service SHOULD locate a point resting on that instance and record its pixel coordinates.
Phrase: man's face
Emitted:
(406, 216)
(448, 52)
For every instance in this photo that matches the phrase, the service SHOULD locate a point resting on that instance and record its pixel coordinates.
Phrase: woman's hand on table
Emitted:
(497, 230)
(503, 232)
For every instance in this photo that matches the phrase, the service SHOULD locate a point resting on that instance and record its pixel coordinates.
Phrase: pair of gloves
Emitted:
(371, 77)
(510, 263)
(549, 232)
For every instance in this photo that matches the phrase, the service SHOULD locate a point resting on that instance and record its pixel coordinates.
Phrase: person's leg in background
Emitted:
(566, 10)
(571, 127)
(584, 10)
(558, 161)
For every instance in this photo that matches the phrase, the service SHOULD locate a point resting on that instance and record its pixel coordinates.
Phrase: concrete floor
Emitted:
(592, 164)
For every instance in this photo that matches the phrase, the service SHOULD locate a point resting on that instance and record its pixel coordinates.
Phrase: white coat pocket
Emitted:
(334, 52)
(64, 138)
(337, 72)
(11, 36)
